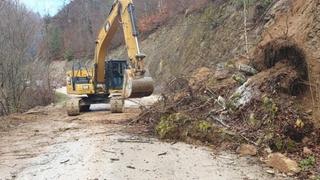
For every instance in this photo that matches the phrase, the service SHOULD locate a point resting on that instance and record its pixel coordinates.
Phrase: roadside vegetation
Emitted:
(24, 71)
(60, 98)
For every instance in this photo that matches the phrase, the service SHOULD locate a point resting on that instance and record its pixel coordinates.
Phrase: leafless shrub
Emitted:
(39, 91)
(19, 28)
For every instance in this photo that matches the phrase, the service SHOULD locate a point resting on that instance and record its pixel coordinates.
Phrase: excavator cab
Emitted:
(114, 74)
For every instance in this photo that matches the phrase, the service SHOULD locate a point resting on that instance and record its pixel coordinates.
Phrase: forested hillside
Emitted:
(24, 75)
(72, 32)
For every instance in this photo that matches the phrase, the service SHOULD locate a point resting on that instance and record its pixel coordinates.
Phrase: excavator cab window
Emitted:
(115, 73)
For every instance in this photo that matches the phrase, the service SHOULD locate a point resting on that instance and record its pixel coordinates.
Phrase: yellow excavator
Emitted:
(111, 81)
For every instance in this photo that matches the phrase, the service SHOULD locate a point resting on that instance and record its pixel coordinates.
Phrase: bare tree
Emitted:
(245, 27)
(17, 27)
(160, 5)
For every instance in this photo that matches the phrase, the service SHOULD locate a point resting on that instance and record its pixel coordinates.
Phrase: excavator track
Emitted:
(117, 104)
(73, 107)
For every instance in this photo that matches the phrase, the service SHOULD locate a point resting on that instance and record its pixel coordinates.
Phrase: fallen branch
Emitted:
(219, 121)
(213, 94)
(36, 112)
(134, 141)
(248, 140)
(227, 126)
(202, 106)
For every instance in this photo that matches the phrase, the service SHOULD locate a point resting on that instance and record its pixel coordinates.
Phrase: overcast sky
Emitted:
(44, 7)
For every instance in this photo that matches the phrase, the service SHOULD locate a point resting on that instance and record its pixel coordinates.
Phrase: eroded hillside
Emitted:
(204, 38)
(298, 22)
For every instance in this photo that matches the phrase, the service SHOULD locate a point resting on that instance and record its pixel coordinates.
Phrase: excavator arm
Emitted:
(135, 83)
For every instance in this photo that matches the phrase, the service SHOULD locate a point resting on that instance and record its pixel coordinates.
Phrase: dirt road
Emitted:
(47, 144)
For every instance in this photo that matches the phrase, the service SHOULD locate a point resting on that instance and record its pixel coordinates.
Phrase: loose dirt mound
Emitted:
(280, 50)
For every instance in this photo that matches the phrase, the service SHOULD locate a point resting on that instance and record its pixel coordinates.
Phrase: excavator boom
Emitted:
(135, 83)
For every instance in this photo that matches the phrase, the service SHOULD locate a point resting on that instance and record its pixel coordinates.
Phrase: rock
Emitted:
(270, 171)
(114, 159)
(221, 101)
(305, 140)
(307, 151)
(198, 76)
(247, 150)
(266, 151)
(310, 111)
(240, 78)
(247, 69)
(282, 163)
(221, 72)
(243, 95)
(299, 124)
(131, 167)
(180, 95)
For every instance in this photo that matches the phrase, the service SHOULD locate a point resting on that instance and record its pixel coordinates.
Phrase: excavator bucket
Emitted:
(137, 86)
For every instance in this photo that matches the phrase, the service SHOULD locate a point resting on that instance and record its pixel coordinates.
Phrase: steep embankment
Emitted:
(203, 38)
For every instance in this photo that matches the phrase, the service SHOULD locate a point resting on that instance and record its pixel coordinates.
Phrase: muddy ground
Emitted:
(47, 144)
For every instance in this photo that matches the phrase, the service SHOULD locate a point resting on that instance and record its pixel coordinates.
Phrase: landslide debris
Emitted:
(267, 100)
(261, 111)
